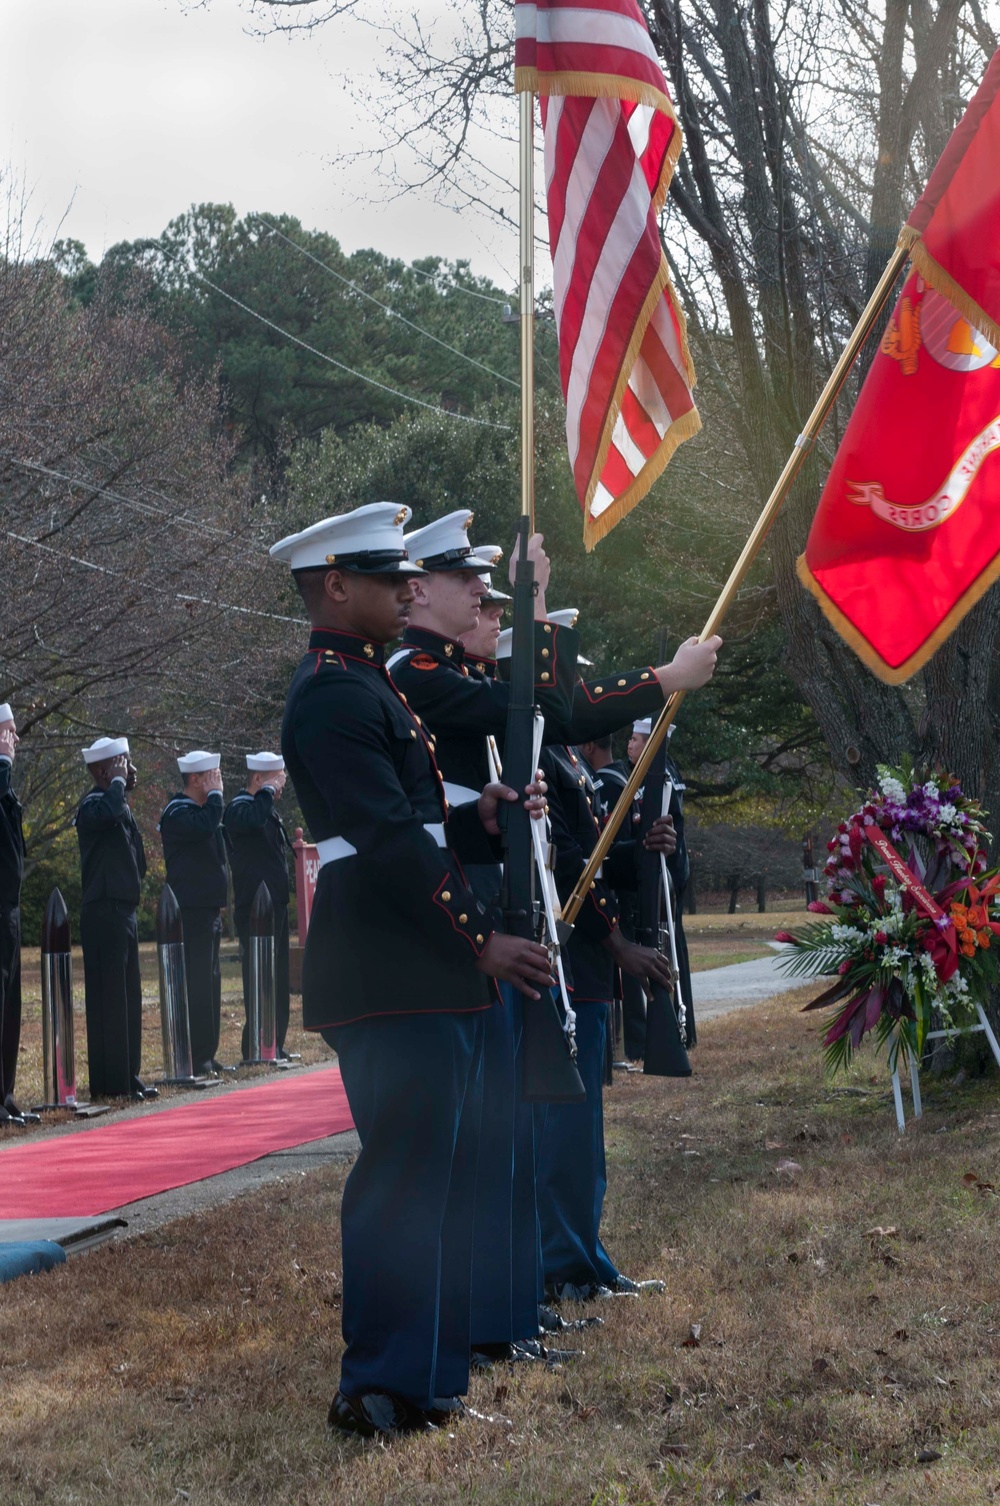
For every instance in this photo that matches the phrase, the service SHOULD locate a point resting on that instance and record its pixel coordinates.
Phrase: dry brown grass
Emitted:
(196, 1363)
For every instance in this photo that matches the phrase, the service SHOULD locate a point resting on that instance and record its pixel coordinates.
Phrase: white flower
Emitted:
(892, 789)
(949, 815)
(851, 934)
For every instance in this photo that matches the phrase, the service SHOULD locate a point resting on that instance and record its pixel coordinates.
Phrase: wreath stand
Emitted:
(935, 1035)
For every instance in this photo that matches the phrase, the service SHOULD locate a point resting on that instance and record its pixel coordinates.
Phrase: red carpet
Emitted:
(106, 1166)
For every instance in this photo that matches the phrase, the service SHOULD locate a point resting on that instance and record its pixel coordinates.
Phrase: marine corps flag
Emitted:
(611, 143)
(906, 537)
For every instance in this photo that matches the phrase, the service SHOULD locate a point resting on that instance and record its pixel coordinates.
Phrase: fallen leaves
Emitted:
(693, 1340)
(971, 1179)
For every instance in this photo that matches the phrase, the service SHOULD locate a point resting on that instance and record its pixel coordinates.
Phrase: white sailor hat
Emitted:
(444, 544)
(198, 762)
(105, 747)
(494, 554)
(644, 725)
(567, 617)
(265, 762)
(6, 714)
(368, 540)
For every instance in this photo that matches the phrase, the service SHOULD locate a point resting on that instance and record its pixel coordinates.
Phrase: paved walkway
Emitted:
(722, 989)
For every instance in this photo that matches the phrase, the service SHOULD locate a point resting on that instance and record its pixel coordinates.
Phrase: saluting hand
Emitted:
(213, 780)
(131, 775)
(8, 742)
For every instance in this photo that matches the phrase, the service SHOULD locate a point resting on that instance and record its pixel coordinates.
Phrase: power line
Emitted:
(205, 601)
(393, 313)
(457, 287)
(103, 491)
(405, 397)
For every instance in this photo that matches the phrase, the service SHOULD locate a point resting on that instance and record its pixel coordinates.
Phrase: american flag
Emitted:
(611, 142)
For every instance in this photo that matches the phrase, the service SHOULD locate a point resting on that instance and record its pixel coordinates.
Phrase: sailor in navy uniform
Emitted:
(113, 866)
(393, 975)
(11, 874)
(258, 854)
(196, 855)
(464, 706)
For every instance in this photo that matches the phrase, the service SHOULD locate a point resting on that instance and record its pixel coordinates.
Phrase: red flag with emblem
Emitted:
(611, 143)
(906, 537)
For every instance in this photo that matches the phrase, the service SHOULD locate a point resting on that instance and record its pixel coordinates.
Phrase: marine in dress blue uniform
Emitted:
(258, 854)
(113, 866)
(393, 976)
(11, 874)
(464, 705)
(195, 851)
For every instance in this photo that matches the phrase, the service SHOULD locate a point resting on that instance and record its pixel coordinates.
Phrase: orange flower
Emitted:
(983, 937)
(978, 916)
(966, 950)
(960, 914)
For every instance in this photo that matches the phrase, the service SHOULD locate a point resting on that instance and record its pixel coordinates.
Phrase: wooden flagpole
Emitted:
(740, 570)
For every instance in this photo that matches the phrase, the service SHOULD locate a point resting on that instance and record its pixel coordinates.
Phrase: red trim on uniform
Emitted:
(443, 905)
(619, 693)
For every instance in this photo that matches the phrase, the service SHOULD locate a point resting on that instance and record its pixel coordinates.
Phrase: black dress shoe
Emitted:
(445, 1410)
(17, 1115)
(624, 1286)
(218, 1066)
(6, 1117)
(376, 1414)
(586, 1291)
(549, 1321)
(205, 1069)
(140, 1089)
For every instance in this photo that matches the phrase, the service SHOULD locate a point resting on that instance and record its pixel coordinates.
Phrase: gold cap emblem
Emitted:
(400, 517)
(331, 559)
(368, 651)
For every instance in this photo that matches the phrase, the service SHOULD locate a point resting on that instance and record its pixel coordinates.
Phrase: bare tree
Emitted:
(810, 127)
(137, 589)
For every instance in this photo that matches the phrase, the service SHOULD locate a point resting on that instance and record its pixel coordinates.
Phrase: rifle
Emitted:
(666, 1053)
(548, 1041)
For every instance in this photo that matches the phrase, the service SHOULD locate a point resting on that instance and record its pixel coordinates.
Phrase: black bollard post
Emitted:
(261, 1029)
(58, 1046)
(176, 1030)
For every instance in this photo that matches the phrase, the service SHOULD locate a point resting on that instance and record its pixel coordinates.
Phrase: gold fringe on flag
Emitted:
(935, 275)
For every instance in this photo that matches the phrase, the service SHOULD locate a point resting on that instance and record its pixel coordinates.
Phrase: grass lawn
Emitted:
(830, 1331)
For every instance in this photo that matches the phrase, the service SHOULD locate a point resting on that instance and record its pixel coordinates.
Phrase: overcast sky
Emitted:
(117, 115)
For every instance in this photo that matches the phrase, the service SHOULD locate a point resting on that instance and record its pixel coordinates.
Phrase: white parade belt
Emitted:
(459, 794)
(333, 849)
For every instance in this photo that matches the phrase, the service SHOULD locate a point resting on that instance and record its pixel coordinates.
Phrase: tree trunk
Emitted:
(734, 894)
(762, 895)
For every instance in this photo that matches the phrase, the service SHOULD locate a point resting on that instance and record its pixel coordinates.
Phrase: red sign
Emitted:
(306, 874)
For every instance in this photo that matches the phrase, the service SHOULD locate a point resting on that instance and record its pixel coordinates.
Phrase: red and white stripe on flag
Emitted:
(611, 142)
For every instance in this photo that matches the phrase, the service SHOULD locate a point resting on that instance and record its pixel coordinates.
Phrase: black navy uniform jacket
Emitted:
(112, 857)
(194, 847)
(463, 704)
(11, 840)
(602, 706)
(575, 831)
(258, 848)
(394, 928)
